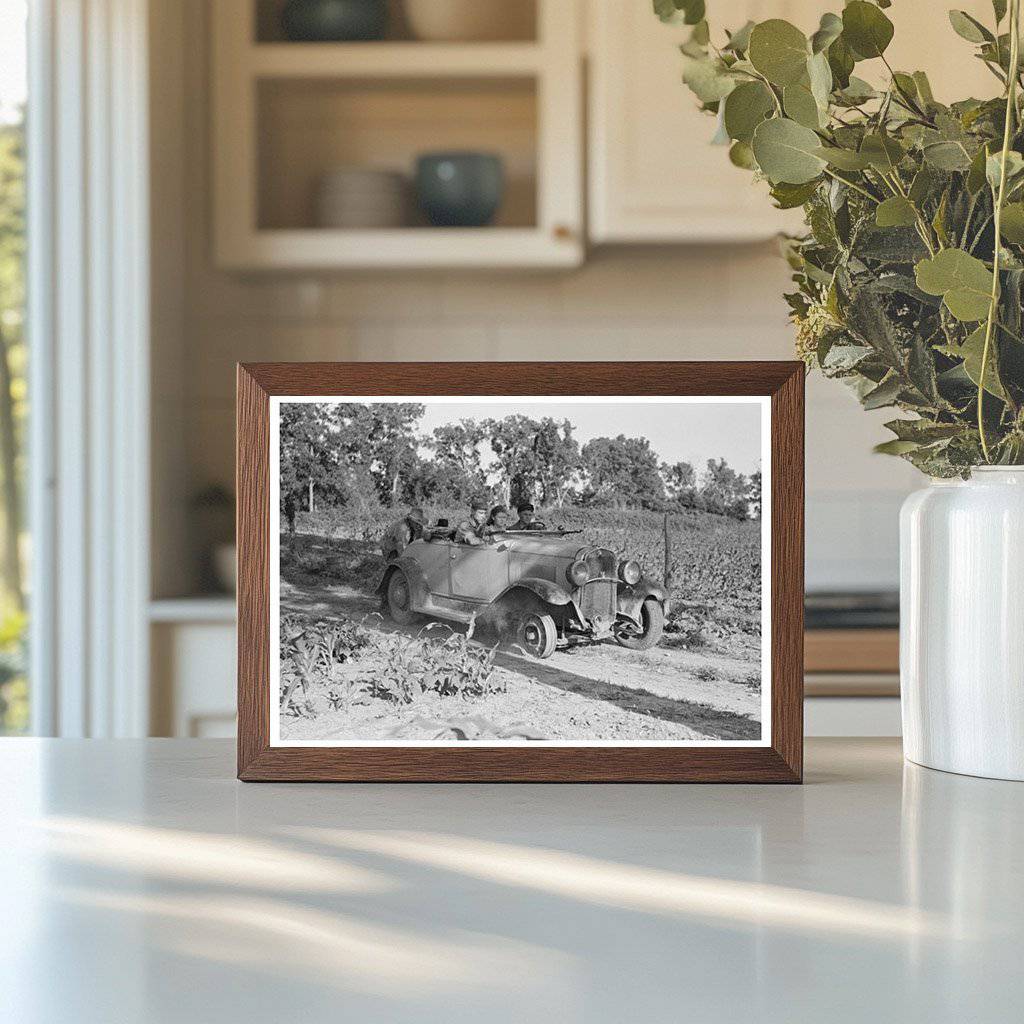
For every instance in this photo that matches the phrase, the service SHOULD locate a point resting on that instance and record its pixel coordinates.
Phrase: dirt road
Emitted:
(597, 691)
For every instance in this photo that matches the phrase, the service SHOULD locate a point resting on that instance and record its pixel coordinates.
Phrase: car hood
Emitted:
(564, 547)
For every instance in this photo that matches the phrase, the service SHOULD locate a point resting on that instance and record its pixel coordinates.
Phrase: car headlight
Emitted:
(629, 571)
(577, 574)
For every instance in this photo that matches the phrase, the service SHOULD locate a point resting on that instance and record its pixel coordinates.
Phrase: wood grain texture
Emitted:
(782, 761)
(852, 650)
(252, 479)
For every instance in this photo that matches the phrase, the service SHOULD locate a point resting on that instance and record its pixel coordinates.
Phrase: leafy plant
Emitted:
(910, 278)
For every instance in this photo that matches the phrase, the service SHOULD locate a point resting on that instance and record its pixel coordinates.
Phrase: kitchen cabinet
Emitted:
(287, 114)
(654, 177)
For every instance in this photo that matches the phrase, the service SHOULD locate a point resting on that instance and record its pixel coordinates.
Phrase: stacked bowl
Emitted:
(362, 197)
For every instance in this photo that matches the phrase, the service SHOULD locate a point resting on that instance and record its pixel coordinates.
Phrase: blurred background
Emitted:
(360, 180)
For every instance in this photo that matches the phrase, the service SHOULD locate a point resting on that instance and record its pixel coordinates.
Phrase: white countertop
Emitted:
(140, 882)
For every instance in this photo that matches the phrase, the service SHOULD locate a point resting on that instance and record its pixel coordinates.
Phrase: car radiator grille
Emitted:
(598, 600)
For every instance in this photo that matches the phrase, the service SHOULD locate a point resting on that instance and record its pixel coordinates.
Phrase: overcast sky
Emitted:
(678, 431)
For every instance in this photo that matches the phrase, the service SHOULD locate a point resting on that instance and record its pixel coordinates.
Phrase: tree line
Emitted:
(370, 456)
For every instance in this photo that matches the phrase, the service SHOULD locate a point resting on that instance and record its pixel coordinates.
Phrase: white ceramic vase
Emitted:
(962, 624)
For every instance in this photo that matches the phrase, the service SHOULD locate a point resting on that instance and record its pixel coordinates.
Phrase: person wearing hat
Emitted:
(400, 535)
(526, 519)
(474, 529)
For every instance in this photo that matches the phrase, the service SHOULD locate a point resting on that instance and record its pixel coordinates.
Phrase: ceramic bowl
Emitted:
(460, 189)
(359, 197)
(332, 21)
(471, 20)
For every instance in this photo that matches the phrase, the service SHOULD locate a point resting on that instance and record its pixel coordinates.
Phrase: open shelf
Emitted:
(308, 127)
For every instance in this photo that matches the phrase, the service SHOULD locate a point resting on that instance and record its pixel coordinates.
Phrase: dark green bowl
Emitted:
(461, 190)
(334, 21)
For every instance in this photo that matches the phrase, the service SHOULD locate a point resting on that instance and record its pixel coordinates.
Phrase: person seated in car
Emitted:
(474, 529)
(497, 521)
(527, 520)
(401, 534)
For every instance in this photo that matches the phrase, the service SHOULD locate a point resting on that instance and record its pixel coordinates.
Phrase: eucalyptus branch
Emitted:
(769, 87)
(1011, 110)
(853, 185)
(909, 100)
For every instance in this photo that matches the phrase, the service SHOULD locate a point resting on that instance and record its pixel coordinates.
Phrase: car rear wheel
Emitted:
(400, 599)
(652, 621)
(537, 634)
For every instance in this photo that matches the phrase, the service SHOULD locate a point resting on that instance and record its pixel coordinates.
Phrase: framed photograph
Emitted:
(577, 572)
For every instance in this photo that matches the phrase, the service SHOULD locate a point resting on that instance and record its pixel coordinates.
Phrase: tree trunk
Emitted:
(11, 493)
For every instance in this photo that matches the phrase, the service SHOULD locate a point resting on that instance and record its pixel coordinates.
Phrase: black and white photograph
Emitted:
(519, 571)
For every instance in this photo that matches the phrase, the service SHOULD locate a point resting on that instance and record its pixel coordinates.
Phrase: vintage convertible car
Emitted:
(539, 588)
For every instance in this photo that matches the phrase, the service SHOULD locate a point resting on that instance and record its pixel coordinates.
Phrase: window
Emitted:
(14, 693)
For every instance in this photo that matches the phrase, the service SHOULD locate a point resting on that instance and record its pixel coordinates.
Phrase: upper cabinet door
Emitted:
(654, 175)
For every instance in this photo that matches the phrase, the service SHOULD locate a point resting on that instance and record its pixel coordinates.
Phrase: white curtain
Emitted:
(88, 383)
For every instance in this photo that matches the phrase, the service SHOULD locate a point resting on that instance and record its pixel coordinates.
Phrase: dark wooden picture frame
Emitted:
(780, 761)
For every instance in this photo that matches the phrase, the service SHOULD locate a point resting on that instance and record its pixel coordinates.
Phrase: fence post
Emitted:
(668, 555)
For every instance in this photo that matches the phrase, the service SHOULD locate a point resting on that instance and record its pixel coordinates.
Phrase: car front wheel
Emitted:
(400, 599)
(537, 634)
(652, 625)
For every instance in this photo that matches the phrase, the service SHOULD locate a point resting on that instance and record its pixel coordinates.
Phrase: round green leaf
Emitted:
(745, 108)
(972, 351)
(895, 212)
(801, 106)
(787, 152)
(883, 152)
(779, 51)
(857, 91)
(844, 159)
(963, 281)
(947, 156)
(829, 30)
(994, 164)
(840, 62)
(976, 173)
(788, 197)
(740, 39)
(819, 75)
(707, 79)
(690, 12)
(741, 155)
(866, 29)
(1012, 224)
(968, 28)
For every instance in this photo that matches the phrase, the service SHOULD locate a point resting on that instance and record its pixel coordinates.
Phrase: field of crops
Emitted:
(335, 664)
